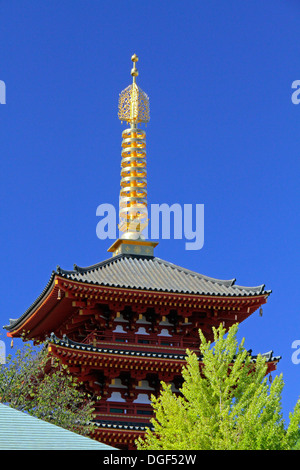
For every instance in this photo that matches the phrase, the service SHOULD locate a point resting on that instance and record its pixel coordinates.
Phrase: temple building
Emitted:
(123, 325)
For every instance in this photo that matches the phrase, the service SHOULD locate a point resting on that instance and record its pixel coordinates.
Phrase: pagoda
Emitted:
(124, 324)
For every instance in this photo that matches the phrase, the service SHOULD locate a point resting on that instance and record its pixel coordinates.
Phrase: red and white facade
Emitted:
(122, 340)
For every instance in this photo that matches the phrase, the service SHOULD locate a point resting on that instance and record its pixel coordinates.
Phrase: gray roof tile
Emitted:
(152, 273)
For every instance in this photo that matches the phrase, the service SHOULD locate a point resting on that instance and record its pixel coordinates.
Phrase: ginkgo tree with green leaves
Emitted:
(226, 404)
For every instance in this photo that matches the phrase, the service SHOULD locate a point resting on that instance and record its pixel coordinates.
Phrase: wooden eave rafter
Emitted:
(150, 298)
(118, 437)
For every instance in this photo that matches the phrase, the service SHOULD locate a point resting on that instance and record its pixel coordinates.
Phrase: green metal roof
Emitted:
(20, 431)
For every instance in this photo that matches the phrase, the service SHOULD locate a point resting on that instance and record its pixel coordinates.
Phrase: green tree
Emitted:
(32, 382)
(227, 405)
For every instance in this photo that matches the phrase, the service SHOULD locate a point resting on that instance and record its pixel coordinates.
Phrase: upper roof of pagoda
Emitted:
(155, 274)
(130, 273)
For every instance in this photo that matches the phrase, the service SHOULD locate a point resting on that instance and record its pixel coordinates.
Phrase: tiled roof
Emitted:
(146, 273)
(21, 431)
(152, 273)
(66, 342)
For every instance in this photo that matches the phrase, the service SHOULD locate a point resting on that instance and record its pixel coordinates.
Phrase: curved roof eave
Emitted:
(144, 273)
(14, 322)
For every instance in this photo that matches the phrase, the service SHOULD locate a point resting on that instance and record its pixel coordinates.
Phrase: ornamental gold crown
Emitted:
(133, 101)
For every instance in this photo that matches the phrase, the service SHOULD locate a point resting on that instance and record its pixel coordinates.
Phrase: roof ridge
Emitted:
(229, 282)
(83, 269)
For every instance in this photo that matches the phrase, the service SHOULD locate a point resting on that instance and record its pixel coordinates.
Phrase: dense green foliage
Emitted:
(230, 405)
(54, 396)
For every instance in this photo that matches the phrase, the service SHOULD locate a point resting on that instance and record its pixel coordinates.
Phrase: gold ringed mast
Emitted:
(134, 109)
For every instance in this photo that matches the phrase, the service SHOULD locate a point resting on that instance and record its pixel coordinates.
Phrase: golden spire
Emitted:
(133, 214)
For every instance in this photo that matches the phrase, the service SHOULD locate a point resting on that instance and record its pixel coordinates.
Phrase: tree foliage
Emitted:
(31, 383)
(227, 405)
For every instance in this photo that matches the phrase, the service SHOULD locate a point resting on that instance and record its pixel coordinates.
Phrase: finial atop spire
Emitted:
(134, 70)
(133, 101)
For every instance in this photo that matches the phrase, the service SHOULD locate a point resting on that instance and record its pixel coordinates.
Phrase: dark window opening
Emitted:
(116, 410)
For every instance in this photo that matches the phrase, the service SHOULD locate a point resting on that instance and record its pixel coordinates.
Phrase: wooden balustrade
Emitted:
(99, 339)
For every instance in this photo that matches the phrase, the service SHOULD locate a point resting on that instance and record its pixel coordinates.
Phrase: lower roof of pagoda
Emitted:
(86, 350)
(120, 433)
(128, 426)
(114, 349)
(131, 273)
(122, 425)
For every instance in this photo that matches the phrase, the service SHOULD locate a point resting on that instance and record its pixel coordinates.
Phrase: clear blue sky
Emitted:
(223, 133)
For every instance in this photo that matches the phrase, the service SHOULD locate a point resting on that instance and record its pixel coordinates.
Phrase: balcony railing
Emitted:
(125, 409)
(143, 341)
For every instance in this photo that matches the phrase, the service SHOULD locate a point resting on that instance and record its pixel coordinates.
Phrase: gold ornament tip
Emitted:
(134, 70)
(133, 101)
